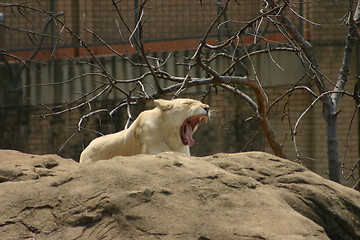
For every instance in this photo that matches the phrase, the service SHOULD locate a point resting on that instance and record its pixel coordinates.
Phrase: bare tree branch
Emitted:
(329, 106)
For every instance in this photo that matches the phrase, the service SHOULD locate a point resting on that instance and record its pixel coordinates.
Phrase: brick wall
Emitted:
(171, 19)
(24, 129)
(329, 19)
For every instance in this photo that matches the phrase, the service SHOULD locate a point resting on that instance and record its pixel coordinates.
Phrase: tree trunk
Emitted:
(329, 106)
(334, 163)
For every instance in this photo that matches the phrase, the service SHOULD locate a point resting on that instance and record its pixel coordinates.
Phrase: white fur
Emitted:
(154, 131)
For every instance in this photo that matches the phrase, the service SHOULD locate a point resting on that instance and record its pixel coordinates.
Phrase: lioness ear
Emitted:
(163, 104)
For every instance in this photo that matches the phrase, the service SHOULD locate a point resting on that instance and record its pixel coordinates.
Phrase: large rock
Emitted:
(249, 196)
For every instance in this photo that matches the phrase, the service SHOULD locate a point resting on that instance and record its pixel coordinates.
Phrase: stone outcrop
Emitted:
(244, 196)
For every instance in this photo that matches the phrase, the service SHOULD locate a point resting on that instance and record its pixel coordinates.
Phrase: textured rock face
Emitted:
(246, 196)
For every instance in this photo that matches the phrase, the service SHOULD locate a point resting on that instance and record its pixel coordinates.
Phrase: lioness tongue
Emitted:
(188, 134)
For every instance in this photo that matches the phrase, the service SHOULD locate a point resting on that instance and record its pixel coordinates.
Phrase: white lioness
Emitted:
(168, 127)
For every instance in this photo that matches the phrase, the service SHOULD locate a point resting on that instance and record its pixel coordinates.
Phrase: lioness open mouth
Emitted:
(189, 127)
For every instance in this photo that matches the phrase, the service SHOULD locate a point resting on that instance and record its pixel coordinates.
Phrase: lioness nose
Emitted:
(206, 108)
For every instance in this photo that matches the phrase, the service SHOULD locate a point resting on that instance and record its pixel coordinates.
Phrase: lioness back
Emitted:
(109, 146)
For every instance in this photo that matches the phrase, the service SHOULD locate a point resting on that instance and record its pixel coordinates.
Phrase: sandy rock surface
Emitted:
(245, 196)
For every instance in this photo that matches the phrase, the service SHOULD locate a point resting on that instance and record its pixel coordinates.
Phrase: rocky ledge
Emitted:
(244, 196)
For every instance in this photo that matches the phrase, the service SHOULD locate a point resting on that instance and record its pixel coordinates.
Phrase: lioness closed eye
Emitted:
(168, 127)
